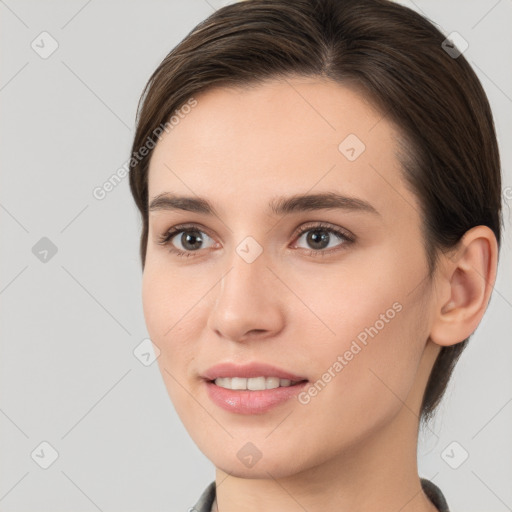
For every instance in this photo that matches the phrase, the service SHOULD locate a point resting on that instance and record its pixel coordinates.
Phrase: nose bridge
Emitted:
(246, 277)
(243, 301)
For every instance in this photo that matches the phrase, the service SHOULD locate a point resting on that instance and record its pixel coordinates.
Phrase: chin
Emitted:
(244, 460)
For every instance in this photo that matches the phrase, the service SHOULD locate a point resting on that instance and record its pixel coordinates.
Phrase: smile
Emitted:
(253, 383)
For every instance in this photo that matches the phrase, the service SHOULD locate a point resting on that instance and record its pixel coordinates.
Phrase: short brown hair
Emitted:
(395, 57)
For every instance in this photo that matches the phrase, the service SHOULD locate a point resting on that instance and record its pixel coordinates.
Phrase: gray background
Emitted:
(70, 324)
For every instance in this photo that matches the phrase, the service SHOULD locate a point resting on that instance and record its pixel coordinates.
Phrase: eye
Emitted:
(321, 236)
(185, 240)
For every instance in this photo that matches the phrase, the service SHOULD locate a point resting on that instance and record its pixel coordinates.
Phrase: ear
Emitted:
(464, 285)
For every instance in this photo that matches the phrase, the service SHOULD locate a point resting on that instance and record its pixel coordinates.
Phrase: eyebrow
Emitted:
(277, 205)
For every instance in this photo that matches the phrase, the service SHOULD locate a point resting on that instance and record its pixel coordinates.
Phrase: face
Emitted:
(330, 289)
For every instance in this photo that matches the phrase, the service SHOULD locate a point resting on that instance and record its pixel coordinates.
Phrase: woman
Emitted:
(319, 184)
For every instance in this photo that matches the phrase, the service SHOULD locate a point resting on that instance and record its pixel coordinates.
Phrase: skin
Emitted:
(353, 446)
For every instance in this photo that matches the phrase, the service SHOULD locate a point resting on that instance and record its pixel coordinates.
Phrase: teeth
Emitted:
(253, 383)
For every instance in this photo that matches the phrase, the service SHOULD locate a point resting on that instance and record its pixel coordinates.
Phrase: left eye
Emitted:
(320, 238)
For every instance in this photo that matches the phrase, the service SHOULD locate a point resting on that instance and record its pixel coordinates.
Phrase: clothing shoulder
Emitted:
(205, 501)
(434, 495)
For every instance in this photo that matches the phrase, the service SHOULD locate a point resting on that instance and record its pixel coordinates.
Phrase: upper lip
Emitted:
(254, 369)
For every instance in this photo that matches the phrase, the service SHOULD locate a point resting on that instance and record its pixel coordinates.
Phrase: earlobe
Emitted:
(466, 284)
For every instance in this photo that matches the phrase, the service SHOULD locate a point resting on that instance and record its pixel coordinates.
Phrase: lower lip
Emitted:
(251, 402)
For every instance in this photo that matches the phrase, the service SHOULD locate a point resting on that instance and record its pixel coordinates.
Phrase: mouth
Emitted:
(250, 374)
(253, 388)
(251, 401)
(260, 383)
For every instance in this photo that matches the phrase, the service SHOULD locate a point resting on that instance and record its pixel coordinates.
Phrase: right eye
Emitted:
(189, 240)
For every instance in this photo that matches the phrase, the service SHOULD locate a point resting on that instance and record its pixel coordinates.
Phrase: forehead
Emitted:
(240, 145)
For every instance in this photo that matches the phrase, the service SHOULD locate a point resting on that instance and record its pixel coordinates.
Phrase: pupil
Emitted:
(315, 239)
(188, 238)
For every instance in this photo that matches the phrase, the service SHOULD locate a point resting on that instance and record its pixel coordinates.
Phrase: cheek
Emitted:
(155, 303)
(167, 313)
(373, 315)
(364, 374)
(170, 323)
(167, 295)
(347, 300)
(374, 385)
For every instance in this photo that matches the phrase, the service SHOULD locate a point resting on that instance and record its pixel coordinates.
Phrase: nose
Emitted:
(248, 302)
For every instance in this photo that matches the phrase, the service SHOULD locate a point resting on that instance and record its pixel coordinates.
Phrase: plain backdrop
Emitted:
(71, 313)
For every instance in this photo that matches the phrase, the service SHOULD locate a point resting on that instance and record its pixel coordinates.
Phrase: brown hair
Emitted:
(395, 57)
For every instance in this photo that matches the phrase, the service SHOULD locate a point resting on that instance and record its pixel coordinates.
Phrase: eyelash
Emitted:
(346, 237)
